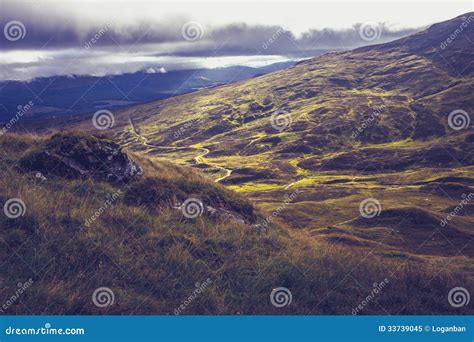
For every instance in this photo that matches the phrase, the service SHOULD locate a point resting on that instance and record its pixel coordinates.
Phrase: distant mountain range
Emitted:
(69, 95)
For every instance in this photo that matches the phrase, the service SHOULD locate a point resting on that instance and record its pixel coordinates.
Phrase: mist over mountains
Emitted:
(62, 96)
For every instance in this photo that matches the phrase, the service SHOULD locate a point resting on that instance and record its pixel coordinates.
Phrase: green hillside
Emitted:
(329, 178)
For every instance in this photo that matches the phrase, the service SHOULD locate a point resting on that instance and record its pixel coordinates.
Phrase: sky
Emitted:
(68, 37)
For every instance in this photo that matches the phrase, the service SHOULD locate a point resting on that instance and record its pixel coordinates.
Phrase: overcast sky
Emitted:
(45, 38)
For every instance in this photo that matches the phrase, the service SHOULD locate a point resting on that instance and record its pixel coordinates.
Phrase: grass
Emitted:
(318, 245)
(256, 187)
(151, 256)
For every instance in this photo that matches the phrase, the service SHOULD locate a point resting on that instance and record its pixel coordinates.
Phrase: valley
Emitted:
(340, 128)
(328, 178)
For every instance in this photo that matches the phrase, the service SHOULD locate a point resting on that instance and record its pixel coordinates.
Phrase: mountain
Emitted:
(388, 122)
(61, 96)
(340, 185)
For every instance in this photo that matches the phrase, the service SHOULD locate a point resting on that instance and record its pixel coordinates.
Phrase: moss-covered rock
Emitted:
(78, 156)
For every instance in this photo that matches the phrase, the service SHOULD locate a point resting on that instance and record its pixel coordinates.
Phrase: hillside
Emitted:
(402, 94)
(369, 123)
(339, 174)
(81, 242)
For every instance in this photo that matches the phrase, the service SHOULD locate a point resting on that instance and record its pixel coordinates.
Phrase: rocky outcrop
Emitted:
(77, 156)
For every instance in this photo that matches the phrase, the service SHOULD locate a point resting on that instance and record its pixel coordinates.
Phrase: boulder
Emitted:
(77, 156)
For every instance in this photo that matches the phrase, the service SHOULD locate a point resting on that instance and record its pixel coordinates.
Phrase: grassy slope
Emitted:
(152, 257)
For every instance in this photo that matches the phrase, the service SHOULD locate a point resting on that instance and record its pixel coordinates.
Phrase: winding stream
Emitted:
(198, 159)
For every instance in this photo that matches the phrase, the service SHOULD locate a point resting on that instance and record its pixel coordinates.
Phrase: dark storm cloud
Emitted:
(242, 38)
(54, 30)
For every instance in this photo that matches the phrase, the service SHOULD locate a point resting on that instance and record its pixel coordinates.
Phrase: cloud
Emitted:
(152, 70)
(60, 28)
(106, 44)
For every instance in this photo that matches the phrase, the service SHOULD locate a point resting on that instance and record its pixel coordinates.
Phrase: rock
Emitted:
(76, 156)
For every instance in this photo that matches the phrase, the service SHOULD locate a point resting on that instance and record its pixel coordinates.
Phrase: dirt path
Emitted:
(198, 159)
